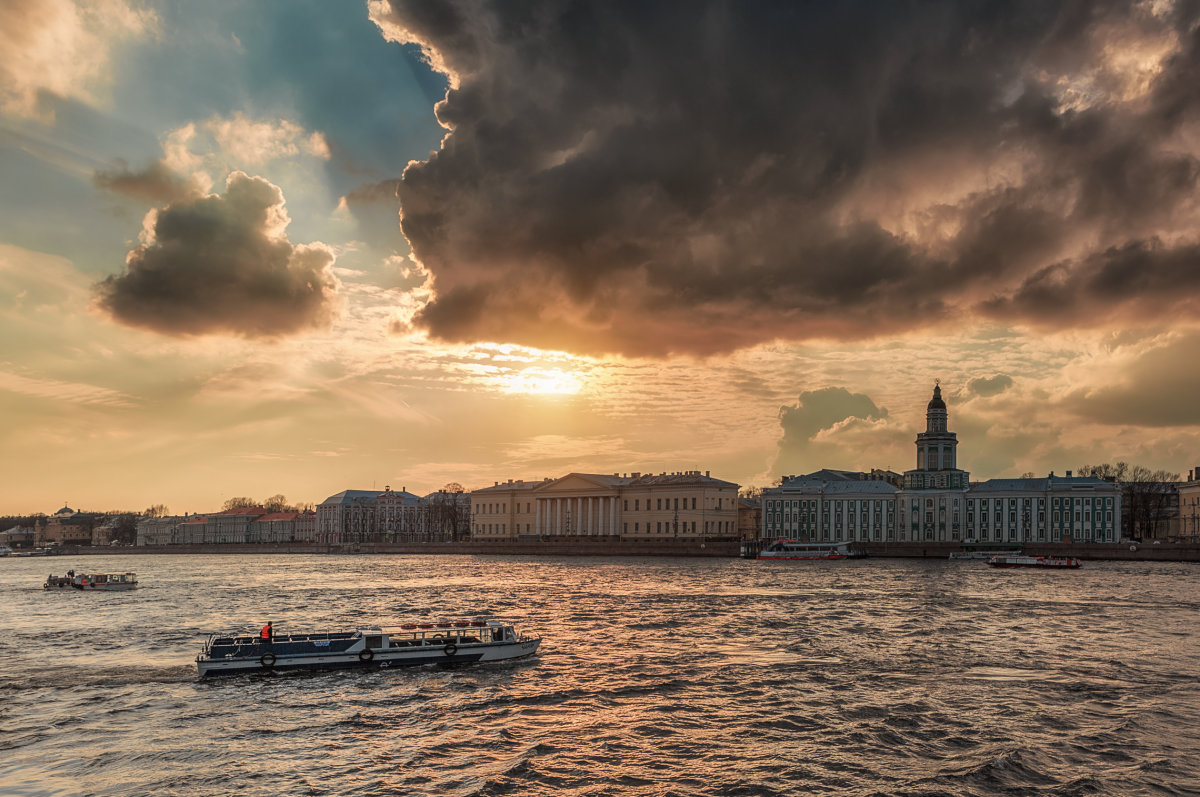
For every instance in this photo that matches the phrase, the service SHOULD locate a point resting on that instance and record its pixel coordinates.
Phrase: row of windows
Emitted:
(685, 527)
(671, 504)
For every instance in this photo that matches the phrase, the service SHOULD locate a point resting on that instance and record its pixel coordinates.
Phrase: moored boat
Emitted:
(1021, 560)
(407, 645)
(791, 549)
(90, 582)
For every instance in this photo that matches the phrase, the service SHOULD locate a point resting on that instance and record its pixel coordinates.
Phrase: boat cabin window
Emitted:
(375, 641)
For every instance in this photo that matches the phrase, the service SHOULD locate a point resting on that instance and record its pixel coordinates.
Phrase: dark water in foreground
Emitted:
(656, 677)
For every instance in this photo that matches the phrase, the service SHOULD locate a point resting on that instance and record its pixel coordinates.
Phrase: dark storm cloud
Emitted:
(987, 386)
(376, 209)
(1159, 388)
(817, 411)
(157, 184)
(223, 264)
(649, 178)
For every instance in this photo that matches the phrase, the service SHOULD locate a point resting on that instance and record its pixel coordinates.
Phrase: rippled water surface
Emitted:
(656, 677)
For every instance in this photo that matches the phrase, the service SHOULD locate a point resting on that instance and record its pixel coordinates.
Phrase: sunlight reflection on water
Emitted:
(657, 676)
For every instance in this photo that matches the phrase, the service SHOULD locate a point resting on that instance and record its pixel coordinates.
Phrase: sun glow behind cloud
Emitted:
(542, 381)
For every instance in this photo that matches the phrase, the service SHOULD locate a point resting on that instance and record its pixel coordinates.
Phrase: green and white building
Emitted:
(936, 502)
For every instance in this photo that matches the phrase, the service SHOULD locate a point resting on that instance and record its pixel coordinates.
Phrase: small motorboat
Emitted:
(89, 582)
(1023, 560)
(407, 645)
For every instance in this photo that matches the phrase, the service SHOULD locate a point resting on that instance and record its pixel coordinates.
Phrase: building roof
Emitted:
(936, 403)
(278, 516)
(242, 510)
(614, 481)
(840, 486)
(1042, 485)
(352, 497)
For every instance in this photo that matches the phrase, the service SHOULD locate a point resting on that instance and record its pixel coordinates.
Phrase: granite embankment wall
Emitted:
(1167, 552)
(720, 548)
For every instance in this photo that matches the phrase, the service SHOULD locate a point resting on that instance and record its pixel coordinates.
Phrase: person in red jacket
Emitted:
(267, 634)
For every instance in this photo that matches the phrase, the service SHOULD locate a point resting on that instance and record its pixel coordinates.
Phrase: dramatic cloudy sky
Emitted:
(263, 247)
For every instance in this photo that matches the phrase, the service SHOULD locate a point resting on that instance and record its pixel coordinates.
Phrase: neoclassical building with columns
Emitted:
(635, 506)
(936, 502)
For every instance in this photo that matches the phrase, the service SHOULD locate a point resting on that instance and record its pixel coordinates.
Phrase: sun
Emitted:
(542, 381)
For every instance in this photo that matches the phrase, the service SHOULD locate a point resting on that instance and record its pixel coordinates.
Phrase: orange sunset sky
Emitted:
(252, 248)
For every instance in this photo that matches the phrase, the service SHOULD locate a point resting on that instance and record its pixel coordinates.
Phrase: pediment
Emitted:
(575, 483)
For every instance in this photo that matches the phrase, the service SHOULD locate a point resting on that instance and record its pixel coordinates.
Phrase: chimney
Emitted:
(706, 473)
(1068, 474)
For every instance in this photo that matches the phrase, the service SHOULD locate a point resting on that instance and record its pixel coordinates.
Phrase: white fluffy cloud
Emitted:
(62, 47)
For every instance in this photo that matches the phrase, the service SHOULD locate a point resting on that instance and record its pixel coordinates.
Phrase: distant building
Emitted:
(682, 505)
(388, 515)
(749, 518)
(1189, 506)
(67, 527)
(19, 537)
(104, 533)
(936, 502)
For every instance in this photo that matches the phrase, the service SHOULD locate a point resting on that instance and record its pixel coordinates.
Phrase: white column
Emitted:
(557, 516)
(591, 515)
(612, 515)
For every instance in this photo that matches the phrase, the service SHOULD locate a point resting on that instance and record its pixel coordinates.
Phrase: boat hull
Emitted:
(267, 661)
(804, 558)
(1034, 562)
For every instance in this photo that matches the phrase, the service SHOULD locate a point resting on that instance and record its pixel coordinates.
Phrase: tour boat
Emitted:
(407, 645)
(87, 582)
(1021, 560)
(790, 549)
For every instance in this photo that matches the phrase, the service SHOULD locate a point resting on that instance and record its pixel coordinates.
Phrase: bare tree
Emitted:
(1148, 496)
(238, 503)
(750, 492)
(1028, 475)
(1106, 471)
(158, 510)
(277, 503)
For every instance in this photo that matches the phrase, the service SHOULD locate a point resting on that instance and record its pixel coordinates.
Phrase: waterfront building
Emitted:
(104, 533)
(636, 506)
(354, 516)
(160, 530)
(18, 537)
(937, 502)
(348, 516)
(749, 518)
(1189, 507)
(67, 527)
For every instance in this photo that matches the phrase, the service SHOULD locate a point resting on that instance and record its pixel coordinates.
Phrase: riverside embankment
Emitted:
(1165, 552)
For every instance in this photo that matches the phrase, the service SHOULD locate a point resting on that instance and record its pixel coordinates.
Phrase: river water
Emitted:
(656, 677)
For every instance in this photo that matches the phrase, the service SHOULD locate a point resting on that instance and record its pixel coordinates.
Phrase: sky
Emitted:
(264, 247)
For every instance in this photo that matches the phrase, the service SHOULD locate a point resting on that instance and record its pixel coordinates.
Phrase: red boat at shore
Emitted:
(1022, 560)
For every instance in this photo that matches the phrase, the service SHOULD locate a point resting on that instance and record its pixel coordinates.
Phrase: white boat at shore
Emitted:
(1019, 560)
(791, 549)
(407, 645)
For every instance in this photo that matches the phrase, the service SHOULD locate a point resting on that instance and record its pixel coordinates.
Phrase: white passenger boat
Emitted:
(408, 645)
(791, 549)
(90, 582)
(1019, 560)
